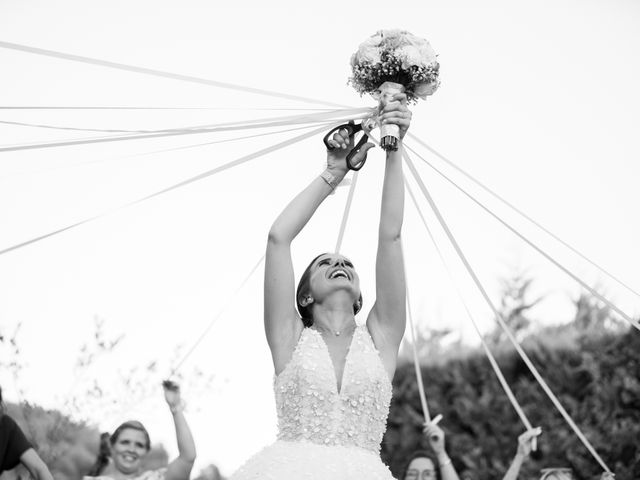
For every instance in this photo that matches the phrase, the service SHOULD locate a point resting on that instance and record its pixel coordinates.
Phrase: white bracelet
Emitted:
(448, 461)
(330, 178)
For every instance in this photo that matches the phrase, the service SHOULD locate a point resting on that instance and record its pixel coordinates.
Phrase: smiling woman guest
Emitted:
(122, 453)
(434, 464)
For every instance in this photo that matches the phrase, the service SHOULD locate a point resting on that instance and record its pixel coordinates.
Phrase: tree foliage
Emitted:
(591, 364)
(68, 447)
(66, 439)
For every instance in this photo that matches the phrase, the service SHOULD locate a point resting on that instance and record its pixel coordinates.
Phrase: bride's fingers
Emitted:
(397, 101)
(341, 138)
(405, 122)
(334, 143)
(396, 117)
(391, 106)
(401, 97)
(347, 140)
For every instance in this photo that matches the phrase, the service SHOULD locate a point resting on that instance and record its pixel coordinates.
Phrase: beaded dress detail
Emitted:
(327, 430)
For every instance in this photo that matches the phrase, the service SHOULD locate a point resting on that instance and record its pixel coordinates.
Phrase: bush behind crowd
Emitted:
(591, 363)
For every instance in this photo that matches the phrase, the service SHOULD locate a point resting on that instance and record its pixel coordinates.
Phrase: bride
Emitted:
(332, 377)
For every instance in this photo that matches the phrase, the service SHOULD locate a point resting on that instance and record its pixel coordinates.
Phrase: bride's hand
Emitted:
(342, 144)
(396, 112)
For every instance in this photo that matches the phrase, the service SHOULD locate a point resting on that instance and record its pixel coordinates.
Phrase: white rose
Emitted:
(392, 33)
(428, 54)
(416, 41)
(372, 41)
(410, 56)
(425, 89)
(369, 55)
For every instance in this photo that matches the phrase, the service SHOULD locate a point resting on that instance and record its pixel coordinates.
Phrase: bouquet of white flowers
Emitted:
(393, 61)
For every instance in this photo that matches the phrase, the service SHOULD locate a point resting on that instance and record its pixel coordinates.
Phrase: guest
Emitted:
(15, 449)
(525, 447)
(121, 453)
(424, 465)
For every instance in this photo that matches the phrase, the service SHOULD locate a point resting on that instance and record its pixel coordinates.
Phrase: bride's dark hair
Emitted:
(107, 440)
(303, 289)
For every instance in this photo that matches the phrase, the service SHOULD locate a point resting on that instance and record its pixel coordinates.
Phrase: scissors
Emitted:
(352, 128)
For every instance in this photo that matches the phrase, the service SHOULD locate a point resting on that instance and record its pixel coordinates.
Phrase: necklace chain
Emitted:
(334, 332)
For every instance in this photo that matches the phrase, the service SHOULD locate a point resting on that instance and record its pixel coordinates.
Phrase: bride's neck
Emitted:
(333, 316)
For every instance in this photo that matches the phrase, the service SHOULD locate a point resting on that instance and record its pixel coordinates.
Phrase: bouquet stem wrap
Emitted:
(389, 134)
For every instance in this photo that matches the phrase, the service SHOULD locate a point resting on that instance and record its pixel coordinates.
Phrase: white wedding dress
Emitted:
(323, 433)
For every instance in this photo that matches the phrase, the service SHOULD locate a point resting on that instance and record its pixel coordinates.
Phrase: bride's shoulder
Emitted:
(282, 356)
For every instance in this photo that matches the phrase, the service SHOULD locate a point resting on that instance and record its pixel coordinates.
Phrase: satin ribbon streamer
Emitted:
(499, 318)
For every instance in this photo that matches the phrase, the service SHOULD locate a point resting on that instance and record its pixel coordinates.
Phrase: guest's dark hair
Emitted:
(421, 454)
(102, 460)
(303, 289)
(107, 440)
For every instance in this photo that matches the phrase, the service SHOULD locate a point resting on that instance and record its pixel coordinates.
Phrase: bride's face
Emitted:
(331, 273)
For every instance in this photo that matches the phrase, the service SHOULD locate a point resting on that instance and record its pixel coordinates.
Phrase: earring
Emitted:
(308, 300)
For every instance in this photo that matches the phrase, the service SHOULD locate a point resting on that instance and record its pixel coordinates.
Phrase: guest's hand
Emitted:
(343, 144)
(435, 435)
(172, 396)
(396, 112)
(525, 441)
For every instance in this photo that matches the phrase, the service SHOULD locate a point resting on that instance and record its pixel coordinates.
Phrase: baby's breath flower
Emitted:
(395, 56)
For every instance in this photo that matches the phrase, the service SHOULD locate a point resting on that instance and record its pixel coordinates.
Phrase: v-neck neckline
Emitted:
(339, 387)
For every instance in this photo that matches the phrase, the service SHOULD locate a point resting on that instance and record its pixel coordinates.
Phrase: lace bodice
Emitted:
(311, 408)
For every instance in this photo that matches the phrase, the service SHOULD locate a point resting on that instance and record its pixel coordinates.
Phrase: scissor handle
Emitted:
(352, 129)
(354, 151)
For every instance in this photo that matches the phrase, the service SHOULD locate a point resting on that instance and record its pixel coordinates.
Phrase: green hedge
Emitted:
(595, 373)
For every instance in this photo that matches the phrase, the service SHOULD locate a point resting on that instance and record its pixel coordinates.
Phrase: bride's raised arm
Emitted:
(387, 319)
(282, 322)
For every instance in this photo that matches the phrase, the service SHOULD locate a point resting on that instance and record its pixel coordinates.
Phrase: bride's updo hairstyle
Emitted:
(303, 290)
(107, 440)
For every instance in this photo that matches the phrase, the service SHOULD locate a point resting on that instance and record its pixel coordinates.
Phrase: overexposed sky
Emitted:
(539, 100)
